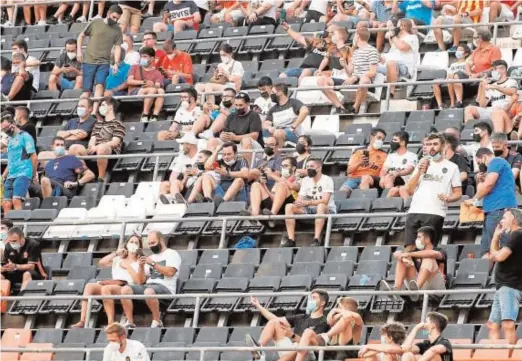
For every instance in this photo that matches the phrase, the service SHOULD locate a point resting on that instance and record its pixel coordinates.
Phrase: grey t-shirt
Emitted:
(102, 37)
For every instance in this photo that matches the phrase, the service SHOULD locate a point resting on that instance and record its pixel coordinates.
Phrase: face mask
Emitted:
(273, 98)
(132, 247)
(125, 46)
(508, 230)
(311, 305)
(9, 131)
(15, 68)
(225, 59)
(459, 54)
(185, 104)
(111, 22)
(311, 172)
(378, 144)
(383, 340)
(103, 109)
(394, 146)
(300, 148)
(144, 62)
(113, 346)
(286, 173)
(155, 249)
(227, 103)
(334, 38)
(171, 55)
(59, 151)
(498, 152)
(81, 111)
(200, 166)
(436, 157)
(476, 43)
(476, 137)
(230, 163)
(495, 75)
(3, 236)
(482, 168)
(419, 244)
(269, 151)
(241, 112)
(16, 246)
(71, 55)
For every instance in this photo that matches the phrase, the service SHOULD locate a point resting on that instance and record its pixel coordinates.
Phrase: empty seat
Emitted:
(121, 188)
(376, 253)
(311, 269)
(77, 259)
(193, 285)
(278, 255)
(272, 269)
(186, 227)
(291, 283)
(347, 206)
(240, 270)
(179, 334)
(15, 337)
(250, 255)
(310, 254)
(225, 209)
(80, 335)
(226, 285)
(212, 256)
(259, 284)
(54, 336)
(210, 271)
(63, 287)
(66, 109)
(338, 268)
(146, 335)
(31, 307)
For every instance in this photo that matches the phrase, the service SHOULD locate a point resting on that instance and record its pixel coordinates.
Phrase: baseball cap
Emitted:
(189, 138)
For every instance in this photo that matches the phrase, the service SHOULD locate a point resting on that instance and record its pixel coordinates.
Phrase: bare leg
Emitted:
(196, 189)
(403, 273)
(108, 304)
(234, 189)
(47, 189)
(102, 149)
(258, 193)
(127, 304)
(329, 93)
(271, 332)
(281, 192)
(290, 209)
(91, 289)
(319, 222)
(153, 304)
(509, 331)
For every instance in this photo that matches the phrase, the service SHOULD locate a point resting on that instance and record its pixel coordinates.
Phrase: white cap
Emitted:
(189, 138)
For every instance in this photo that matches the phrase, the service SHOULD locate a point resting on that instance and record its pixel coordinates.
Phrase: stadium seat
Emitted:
(250, 256)
(211, 256)
(239, 270)
(310, 254)
(193, 285)
(15, 337)
(472, 273)
(347, 206)
(164, 161)
(174, 211)
(224, 209)
(380, 205)
(311, 269)
(225, 285)
(38, 356)
(63, 287)
(195, 210)
(31, 307)
(53, 336)
(66, 109)
(291, 283)
(40, 110)
(259, 284)
(40, 215)
(146, 335)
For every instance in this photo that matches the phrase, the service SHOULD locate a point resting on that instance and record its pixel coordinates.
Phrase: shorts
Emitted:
(437, 282)
(338, 81)
(462, 75)
(485, 113)
(354, 183)
(341, 355)
(167, 82)
(313, 210)
(449, 20)
(130, 15)
(290, 136)
(506, 304)
(94, 74)
(57, 187)
(17, 276)
(135, 91)
(120, 93)
(16, 188)
(414, 221)
(221, 190)
(296, 72)
(267, 204)
(66, 83)
(170, 27)
(284, 342)
(505, 14)
(236, 15)
(404, 72)
(313, 15)
(492, 219)
(158, 289)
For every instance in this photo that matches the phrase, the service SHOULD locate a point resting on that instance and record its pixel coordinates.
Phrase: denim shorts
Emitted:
(505, 305)
(313, 210)
(290, 136)
(94, 74)
(352, 183)
(491, 222)
(222, 189)
(16, 188)
(66, 83)
(135, 91)
(296, 72)
(167, 82)
(403, 69)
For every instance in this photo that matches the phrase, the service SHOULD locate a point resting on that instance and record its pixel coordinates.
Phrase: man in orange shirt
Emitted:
(176, 65)
(150, 39)
(365, 164)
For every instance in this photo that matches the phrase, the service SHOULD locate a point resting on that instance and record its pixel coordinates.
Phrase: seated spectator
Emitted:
(164, 267)
(21, 165)
(463, 12)
(365, 165)
(451, 153)
(144, 79)
(122, 347)
(382, 13)
(63, 175)
(186, 115)
(507, 121)
(150, 40)
(262, 12)
(131, 17)
(399, 164)
(233, 171)
(106, 137)
(79, 129)
(457, 70)
(423, 269)
(184, 172)
(403, 57)
(132, 57)
(242, 127)
(503, 10)
(418, 11)
(283, 120)
(315, 197)
(228, 74)
(59, 18)
(16, 85)
(455, 131)
(481, 139)
(435, 347)
(67, 71)
(176, 65)
(287, 331)
(179, 15)
(499, 143)
(270, 162)
(493, 93)
(5, 226)
(263, 103)
(508, 257)
(351, 11)
(302, 148)
(346, 326)
(229, 12)
(22, 261)
(270, 201)
(393, 335)
(116, 83)
(32, 65)
(212, 120)
(127, 270)
(196, 193)
(22, 118)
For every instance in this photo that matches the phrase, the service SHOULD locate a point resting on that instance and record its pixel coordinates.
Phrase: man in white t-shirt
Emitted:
(187, 113)
(261, 12)
(164, 266)
(434, 183)
(183, 172)
(32, 65)
(264, 102)
(120, 348)
(399, 164)
(315, 197)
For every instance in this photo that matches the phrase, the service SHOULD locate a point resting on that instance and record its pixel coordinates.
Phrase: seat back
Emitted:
(38, 356)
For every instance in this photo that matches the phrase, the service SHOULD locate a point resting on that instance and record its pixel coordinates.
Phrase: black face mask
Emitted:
(200, 165)
(498, 152)
(227, 103)
(273, 98)
(155, 249)
(300, 148)
(269, 151)
(241, 112)
(311, 172)
(476, 137)
(482, 168)
(264, 95)
(111, 22)
(394, 146)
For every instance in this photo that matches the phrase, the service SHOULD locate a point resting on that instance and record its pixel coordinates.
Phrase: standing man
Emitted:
(104, 34)
(22, 119)
(496, 187)
(434, 183)
(21, 165)
(506, 302)
(120, 348)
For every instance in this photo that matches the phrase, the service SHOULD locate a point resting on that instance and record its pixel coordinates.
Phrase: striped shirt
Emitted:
(468, 6)
(363, 58)
(105, 131)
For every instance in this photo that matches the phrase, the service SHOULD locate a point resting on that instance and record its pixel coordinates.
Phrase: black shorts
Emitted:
(202, 13)
(414, 221)
(399, 181)
(58, 190)
(159, 289)
(313, 15)
(267, 204)
(17, 276)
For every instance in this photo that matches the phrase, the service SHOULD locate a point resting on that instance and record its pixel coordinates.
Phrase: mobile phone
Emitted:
(282, 15)
(366, 153)
(139, 252)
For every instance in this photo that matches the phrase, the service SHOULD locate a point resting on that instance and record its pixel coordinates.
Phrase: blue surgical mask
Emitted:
(311, 305)
(459, 54)
(378, 144)
(60, 151)
(81, 111)
(436, 157)
(144, 62)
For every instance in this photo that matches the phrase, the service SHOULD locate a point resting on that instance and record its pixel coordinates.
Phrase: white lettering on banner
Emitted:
(180, 14)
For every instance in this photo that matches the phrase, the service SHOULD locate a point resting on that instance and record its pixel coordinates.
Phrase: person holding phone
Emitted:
(127, 269)
(67, 71)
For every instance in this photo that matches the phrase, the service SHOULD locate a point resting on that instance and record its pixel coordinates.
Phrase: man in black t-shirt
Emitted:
(508, 296)
(499, 143)
(287, 331)
(436, 347)
(451, 153)
(22, 261)
(22, 118)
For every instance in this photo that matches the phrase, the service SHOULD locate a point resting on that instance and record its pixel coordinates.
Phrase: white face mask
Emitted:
(286, 173)
(16, 246)
(226, 59)
(185, 104)
(383, 340)
(230, 162)
(103, 109)
(125, 46)
(377, 144)
(3, 236)
(71, 55)
(334, 38)
(419, 244)
(495, 75)
(476, 43)
(113, 346)
(132, 247)
(15, 68)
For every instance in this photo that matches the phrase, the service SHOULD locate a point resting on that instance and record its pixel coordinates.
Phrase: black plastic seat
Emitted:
(400, 222)
(63, 287)
(211, 256)
(18, 215)
(180, 334)
(40, 110)
(278, 255)
(463, 280)
(189, 257)
(392, 117)
(134, 163)
(225, 209)
(226, 285)
(256, 45)
(40, 215)
(80, 335)
(31, 307)
(291, 283)
(146, 335)
(207, 47)
(31, 203)
(249, 255)
(82, 202)
(194, 210)
(272, 269)
(331, 282)
(343, 253)
(367, 276)
(57, 203)
(347, 206)
(164, 161)
(52, 260)
(95, 190)
(311, 269)
(133, 130)
(259, 284)
(185, 35)
(468, 250)
(169, 355)
(364, 194)
(77, 259)
(380, 205)
(322, 140)
(85, 273)
(310, 254)
(208, 271)
(338, 268)
(376, 253)
(239, 270)
(198, 285)
(66, 109)
(54, 336)
(156, 127)
(120, 189)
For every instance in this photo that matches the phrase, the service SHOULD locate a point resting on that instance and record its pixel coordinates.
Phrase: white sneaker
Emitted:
(413, 286)
(8, 23)
(207, 134)
(41, 23)
(96, 17)
(156, 324)
(81, 19)
(144, 119)
(363, 108)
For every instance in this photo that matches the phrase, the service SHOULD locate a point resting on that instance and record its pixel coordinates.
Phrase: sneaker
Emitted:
(218, 200)
(52, 20)
(96, 17)
(100, 180)
(287, 242)
(385, 286)
(459, 105)
(250, 342)
(165, 198)
(144, 118)
(207, 134)
(339, 111)
(316, 243)
(452, 50)
(68, 19)
(178, 198)
(4, 97)
(247, 213)
(156, 324)
(270, 222)
(81, 19)
(413, 286)
(8, 24)
(351, 110)
(439, 50)
(153, 118)
(41, 23)
(322, 339)
(128, 325)
(146, 16)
